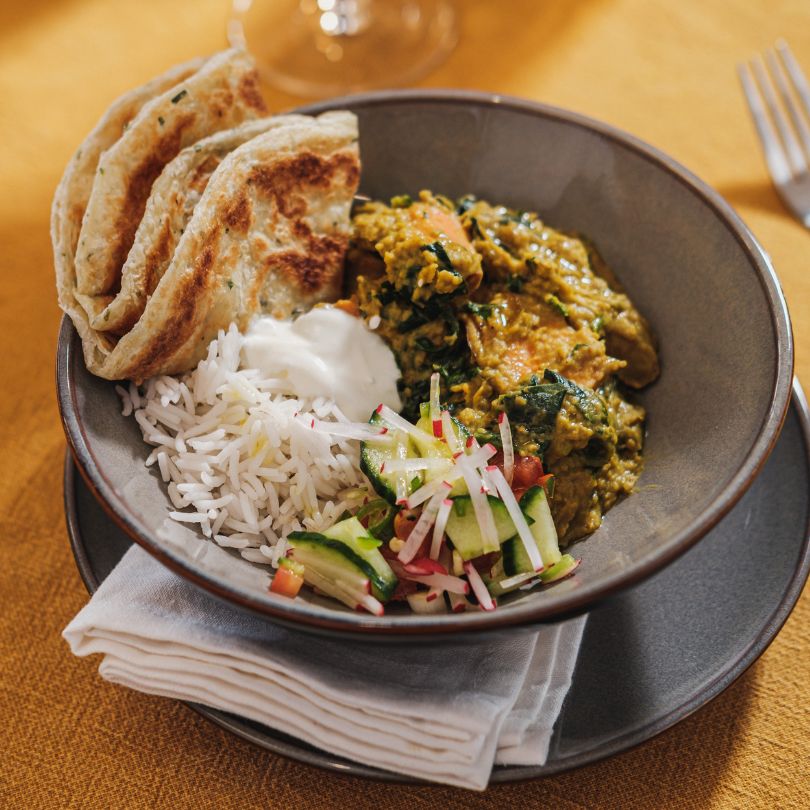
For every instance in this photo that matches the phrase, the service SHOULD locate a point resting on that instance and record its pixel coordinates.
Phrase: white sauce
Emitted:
(326, 353)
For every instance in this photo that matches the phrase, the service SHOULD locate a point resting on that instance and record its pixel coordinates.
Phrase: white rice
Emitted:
(238, 456)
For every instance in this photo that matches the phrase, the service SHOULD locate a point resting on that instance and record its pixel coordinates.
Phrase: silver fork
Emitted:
(787, 152)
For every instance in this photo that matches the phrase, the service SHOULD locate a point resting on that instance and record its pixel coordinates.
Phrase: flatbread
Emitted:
(73, 193)
(269, 234)
(169, 209)
(220, 95)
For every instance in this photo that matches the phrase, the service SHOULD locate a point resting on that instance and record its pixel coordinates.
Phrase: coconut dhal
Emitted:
(518, 319)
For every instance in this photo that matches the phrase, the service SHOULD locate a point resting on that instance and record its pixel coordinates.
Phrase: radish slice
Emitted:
(480, 502)
(449, 434)
(423, 566)
(518, 579)
(427, 491)
(372, 605)
(351, 430)
(422, 527)
(411, 465)
(396, 421)
(435, 407)
(508, 447)
(443, 582)
(480, 455)
(511, 504)
(439, 527)
(479, 589)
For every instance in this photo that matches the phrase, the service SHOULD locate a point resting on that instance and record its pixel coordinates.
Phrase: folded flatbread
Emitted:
(73, 193)
(221, 94)
(168, 211)
(269, 233)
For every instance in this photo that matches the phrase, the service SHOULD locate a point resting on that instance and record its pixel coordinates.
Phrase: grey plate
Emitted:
(691, 265)
(650, 655)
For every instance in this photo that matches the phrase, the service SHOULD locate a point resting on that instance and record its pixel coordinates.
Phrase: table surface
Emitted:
(663, 71)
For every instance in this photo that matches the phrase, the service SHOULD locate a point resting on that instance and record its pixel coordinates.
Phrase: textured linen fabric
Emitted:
(440, 713)
(662, 70)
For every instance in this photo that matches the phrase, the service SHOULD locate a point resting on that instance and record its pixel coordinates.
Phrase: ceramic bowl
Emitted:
(690, 265)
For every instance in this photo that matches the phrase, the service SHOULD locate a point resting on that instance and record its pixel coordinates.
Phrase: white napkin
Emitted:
(442, 712)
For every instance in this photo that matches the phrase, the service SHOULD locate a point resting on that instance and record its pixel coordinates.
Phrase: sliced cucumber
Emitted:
(439, 449)
(534, 504)
(343, 559)
(565, 566)
(356, 537)
(464, 531)
(373, 456)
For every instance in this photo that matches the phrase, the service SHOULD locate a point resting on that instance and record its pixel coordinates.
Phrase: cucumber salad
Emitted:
(456, 524)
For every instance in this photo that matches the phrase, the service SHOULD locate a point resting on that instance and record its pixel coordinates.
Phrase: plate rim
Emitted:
(302, 752)
(321, 620)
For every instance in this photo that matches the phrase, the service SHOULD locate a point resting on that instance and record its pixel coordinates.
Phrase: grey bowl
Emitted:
(687, 260)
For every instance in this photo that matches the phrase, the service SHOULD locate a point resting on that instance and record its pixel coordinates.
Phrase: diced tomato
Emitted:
(286, 583)
(528, 471)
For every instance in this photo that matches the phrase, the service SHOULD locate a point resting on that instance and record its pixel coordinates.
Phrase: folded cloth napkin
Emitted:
(442, 712)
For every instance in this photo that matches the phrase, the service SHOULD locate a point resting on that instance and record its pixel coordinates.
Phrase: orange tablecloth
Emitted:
(662, 70)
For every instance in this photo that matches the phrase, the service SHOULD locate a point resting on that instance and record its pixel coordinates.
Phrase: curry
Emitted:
(519, 318)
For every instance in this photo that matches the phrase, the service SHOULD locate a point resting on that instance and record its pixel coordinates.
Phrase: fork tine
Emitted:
(774, 153)
(796, 73)
(787, 98)
(794, 151)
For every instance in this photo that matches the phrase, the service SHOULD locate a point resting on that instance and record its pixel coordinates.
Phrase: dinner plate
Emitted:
(650, 656)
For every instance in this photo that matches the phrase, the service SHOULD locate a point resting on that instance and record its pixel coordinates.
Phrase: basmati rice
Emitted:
(238, 456)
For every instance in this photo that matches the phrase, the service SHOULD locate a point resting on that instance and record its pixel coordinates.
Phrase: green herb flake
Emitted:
(482, 310)
(160, 120)
(101, 170)
(515, 284)
(555, 303)
(182, 94)
(401, 201)
(229, 284)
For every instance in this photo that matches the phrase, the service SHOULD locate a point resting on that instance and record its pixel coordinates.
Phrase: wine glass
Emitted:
(319, 48)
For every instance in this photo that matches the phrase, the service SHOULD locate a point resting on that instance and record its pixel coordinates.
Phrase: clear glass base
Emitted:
(319, 48)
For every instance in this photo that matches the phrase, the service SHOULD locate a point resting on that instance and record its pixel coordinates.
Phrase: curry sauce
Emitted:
(517, 317)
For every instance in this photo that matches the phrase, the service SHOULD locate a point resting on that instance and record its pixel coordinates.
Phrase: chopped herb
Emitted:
(229, 283)
(482, 310)
(597, 324)
(416, 483)
(180, 95)
(465, 203)
(160, 120)
(555, 302)
(515, 283)
(101, 170)
(437, 249)
(401, 201)
(368, 543)
(589, 403)
(577, 347)
(531, 264)
(475, 229)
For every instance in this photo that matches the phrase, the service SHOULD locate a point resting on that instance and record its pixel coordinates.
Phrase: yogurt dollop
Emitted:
(328, 353)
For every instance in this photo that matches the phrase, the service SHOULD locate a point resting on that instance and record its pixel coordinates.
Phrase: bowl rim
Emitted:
(314, 618)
